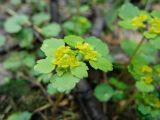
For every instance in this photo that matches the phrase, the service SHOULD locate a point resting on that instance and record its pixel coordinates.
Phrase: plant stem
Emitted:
(132, 57)
(135, 51)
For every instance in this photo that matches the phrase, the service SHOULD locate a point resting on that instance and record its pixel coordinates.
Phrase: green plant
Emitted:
(68, 58)
(142, 55)
(78, 25)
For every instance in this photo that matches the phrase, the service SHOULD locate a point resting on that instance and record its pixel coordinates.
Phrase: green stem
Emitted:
(135, 51)
(132, 57)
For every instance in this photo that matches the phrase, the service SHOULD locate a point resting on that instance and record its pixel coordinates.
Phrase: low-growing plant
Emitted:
(68, 58)
(142, 57)
(63, 62)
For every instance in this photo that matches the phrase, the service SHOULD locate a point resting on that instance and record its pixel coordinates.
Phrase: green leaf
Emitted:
(44, 78)
(72, 40)
(82, 25)
(51, 89)
(2, 40)
(128, 11)
(149, 35)
(118, 95)
(135, 69)
(65, 82)
(128, 46)
(144, 109)
(68, 27)
(50, 45)
(40, 18)
(11, 26)
(14, 23)
(155, 42)
(118, 84)
(155, 13)
(29, 60)
(51, 30)
(111, 16)
(80, 71)
(126, 24)
(99, 46)
(18, 59)
(143, 87)
(25, 36)
(20, 116)
(44, 65)
(103, 92)
(146, 53)
(102, 64)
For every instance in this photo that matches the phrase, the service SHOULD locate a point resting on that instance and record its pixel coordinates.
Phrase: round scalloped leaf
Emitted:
(51, 30)
(20, 116)
(103, 92)
(11, 27)
(143, 87)
(65, 82)
(72, 40)
(128, 11)
(40, 18)
(13, 24)
(102, 64)
(44, 65)
(99, 46)
(50, 45)
(80, 71)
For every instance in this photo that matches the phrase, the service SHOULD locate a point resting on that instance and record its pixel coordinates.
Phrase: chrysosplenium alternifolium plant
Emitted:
(146, 74)
(67, 59)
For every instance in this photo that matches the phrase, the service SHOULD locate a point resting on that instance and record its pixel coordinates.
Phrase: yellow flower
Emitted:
(67, 61)
(155, 26)
(87, 50)
(65, 58)
(146, 69)
(92, 55)
(147, 79)
(139, 21)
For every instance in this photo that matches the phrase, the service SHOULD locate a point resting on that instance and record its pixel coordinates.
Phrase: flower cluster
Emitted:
(147, 71)
(138, 21)
(87, 50)
(155, 25)
(65, 57)
(152, 24)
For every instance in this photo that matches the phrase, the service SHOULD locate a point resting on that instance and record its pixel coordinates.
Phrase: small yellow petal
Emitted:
(139, 21)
